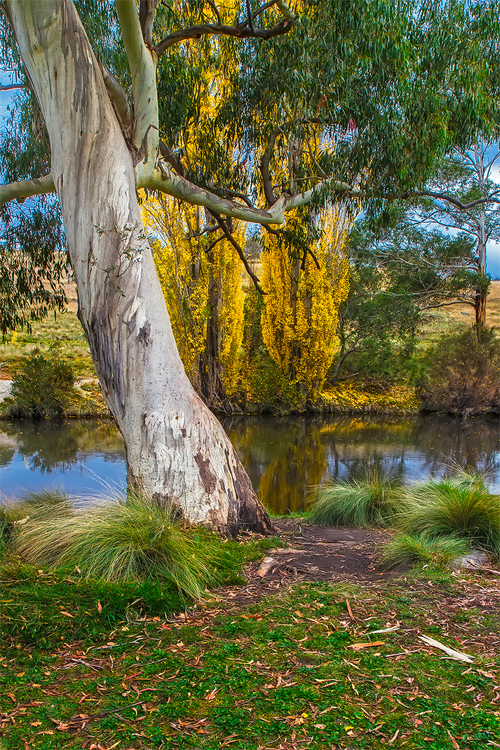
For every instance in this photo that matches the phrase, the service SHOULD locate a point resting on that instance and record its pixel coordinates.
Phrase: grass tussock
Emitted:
(406, 549)
(459, 506)
(134, 540)
(369, 501)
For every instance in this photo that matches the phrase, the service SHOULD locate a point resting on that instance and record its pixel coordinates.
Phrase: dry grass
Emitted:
(63, 329)
(449, 319)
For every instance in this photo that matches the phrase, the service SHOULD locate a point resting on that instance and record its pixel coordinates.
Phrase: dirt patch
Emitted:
(325, 554)
(313, 553)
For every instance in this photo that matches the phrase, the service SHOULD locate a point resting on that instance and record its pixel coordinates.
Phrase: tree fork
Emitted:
(176, 450)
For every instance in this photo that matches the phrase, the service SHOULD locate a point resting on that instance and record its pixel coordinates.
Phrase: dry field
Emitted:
(450, 318)
(64, 331)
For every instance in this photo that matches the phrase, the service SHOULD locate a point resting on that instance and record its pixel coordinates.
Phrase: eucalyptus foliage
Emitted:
(308, 103)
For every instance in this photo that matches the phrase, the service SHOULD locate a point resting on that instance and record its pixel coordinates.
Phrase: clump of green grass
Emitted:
(132, 540)
(459, 506)
(412, 549)
(38, 504)
(368, 501)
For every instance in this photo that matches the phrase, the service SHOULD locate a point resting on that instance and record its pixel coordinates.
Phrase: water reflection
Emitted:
(79, 456)
(284, 457)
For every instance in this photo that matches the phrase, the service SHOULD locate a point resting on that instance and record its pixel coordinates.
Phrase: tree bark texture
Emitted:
(176, 449)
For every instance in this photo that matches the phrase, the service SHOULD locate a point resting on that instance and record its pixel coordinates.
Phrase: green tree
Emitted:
(378, 88)
(399, 272)
(474, 213)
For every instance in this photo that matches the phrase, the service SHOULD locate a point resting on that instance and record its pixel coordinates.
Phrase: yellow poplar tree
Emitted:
(299, 320)
(201, 281)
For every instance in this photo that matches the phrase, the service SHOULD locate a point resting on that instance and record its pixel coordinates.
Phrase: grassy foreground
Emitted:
(119, 666)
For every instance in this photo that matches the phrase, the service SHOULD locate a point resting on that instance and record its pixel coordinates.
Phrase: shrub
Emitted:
(460, 506)
(368, 501)
(116, 541)
(460, 374)
(269, 389)
(411, 549)
(42, 386)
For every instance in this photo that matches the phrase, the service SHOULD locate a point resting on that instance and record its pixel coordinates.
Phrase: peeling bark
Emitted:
(176, 450)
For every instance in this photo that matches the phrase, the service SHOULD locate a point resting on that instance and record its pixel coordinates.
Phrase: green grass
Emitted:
(458, 506)
(371, 500)
(129, 540)
(413, 549)
(85, 663)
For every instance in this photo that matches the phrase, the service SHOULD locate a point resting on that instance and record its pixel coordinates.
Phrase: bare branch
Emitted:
(227, 193)
(242, 30)
(240, 251)
(215, 10)
(9, 86)
(171, 158)
(249, 19)
(146, 17)
(26, 188)
(215, 242)
(454, 201)
(206, 230)
(264, 167)
(307, 252)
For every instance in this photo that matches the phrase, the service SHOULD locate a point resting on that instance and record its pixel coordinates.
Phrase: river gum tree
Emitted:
(105, 145)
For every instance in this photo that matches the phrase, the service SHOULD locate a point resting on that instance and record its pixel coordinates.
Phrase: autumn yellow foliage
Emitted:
(299, 321)
(202, 288)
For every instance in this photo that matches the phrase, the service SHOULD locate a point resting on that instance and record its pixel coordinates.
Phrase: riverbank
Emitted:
(302, 657)
(344, 400)
(65, 333)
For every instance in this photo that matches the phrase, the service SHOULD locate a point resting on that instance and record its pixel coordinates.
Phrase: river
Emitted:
(284, 457)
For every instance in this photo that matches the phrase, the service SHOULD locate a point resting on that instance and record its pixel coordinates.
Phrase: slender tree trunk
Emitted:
(480, 294)
(176, 449)
(213, 390)
(295, 353)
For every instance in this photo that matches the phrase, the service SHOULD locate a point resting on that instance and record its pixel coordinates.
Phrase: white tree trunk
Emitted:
(176, 450)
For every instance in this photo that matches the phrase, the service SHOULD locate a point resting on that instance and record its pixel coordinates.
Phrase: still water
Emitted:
(283, 456)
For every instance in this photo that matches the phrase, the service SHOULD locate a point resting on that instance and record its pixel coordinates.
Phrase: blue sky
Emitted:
(493, 250)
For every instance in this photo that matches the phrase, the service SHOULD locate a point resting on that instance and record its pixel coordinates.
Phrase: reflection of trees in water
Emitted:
(285, 483)
(392, 467)
(450, 441)
(50, 444)
(283, 457)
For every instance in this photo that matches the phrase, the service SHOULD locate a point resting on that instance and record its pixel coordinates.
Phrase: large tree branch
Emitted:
(242, 30)
(168, 182)
(26, 188)
(142, 62)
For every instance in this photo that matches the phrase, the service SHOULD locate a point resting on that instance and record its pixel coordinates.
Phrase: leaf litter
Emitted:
(282, 662)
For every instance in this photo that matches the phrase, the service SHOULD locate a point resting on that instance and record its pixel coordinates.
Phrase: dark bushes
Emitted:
(461, 374)
(43, 386)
